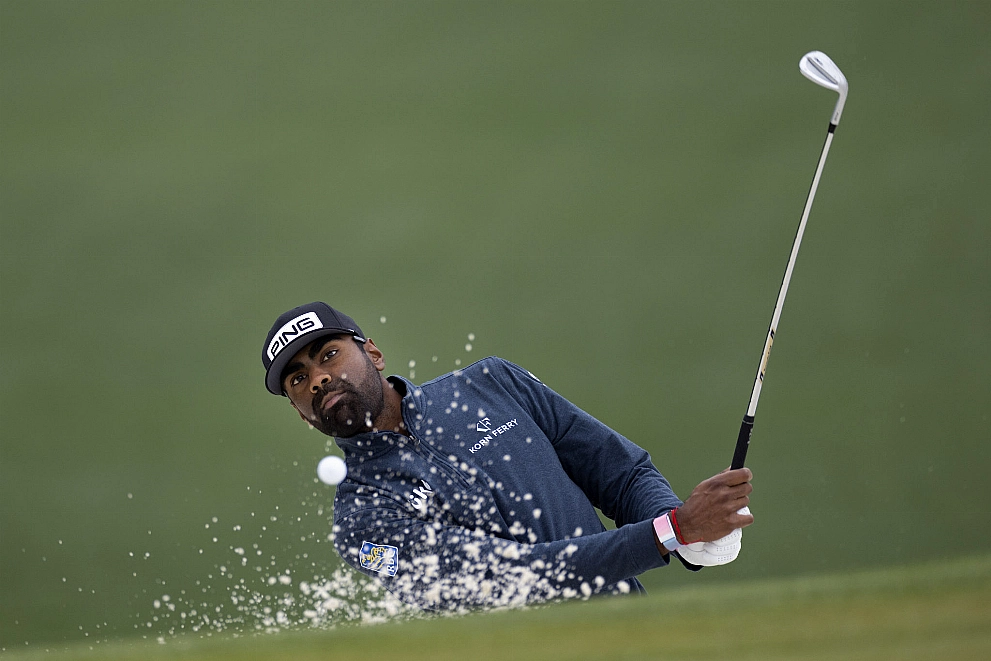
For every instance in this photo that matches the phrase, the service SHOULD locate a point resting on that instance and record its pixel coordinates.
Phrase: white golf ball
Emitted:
(332, 470)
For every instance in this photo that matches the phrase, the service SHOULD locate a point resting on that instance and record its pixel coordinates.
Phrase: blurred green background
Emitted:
(605, 193)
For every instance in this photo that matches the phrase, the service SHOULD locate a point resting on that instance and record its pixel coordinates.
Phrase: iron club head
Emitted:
(817, 67)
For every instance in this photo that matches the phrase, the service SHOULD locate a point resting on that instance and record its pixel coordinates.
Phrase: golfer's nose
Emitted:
(320, 379)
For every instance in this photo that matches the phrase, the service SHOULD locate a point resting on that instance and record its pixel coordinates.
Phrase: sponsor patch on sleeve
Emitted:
(379, 558)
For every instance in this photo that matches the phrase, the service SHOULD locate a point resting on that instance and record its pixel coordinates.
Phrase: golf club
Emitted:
(817, 67)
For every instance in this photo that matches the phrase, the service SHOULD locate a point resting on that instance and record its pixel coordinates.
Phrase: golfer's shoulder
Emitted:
(501, 366)
(491, 367)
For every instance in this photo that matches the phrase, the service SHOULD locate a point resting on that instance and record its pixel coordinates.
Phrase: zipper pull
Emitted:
(411, 436)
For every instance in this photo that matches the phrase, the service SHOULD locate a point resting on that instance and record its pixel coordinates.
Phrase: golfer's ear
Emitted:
(375, 354)
(303, 417)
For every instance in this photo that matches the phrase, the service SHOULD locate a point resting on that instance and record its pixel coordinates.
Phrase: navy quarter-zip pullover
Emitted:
(491, 500)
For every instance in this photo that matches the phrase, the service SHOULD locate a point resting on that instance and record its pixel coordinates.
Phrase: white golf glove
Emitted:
(719, 552)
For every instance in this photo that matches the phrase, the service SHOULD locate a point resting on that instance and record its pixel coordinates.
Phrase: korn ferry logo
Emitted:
(379, 558)
(485, 426)
(304, 323)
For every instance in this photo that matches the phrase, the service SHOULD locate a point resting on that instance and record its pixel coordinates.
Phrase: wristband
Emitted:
(677, 529)
(665, 532)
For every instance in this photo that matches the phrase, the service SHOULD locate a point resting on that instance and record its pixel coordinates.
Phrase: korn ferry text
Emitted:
(495, 432)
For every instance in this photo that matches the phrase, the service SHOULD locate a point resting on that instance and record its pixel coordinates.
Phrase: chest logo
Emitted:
(421, 495)
(490, 432)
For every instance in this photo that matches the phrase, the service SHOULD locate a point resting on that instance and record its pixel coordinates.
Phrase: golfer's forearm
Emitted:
(452, 568)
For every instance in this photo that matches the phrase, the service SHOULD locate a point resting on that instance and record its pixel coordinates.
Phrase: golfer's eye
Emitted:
(330, 354)
(296, 380)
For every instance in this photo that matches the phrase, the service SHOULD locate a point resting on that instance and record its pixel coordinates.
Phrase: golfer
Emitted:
(479, 488)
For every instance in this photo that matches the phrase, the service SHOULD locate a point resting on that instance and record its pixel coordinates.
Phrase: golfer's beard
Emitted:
(356, 410)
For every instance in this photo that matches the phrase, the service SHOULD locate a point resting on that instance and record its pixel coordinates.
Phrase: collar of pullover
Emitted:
(373, 444)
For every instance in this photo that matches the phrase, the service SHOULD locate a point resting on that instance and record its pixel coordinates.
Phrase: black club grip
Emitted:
(742, 442)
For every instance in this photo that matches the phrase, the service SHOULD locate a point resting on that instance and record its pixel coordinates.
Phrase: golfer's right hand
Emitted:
(712, 511)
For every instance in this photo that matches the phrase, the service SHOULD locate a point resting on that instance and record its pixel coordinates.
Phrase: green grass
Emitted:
(602, 192)
(936, 610)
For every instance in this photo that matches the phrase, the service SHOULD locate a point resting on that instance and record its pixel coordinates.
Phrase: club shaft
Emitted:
(743, 439)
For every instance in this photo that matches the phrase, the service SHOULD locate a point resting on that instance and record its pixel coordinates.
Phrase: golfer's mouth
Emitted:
(330, 400)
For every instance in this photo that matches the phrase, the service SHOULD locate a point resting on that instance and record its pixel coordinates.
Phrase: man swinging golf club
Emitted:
(479, 488)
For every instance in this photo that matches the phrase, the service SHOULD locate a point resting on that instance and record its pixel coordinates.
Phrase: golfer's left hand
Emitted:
(715, 507)
(718, 552)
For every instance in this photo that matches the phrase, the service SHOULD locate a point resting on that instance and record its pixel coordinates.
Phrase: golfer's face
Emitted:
(335, 386)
